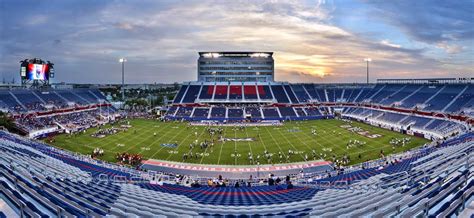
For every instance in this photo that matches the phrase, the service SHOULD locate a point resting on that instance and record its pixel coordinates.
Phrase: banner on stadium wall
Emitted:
(419, 134)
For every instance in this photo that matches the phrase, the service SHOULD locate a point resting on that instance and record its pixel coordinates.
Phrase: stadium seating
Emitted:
(71, 97)
(51, 98)
(87, 105)
(300, 111)
(300, 93)
(312, 91)
(235, 113)
(398, 96)
(322, 95)
(9, 102)
(29, 100)
(250, 92)
(312, 111)
(218, 112)
(221, 92)
(280, 94)
(254, 112)
(391, 117)
(439, 101)
(370, 93)
(184, 112)
(271, 113)
(451, 98)
(191, 94)
(421, 96)
(338, 95)
(171, 111)
(235, 92)
(439, 98)
(290, 94)
(264, 92)
(86, 95)
(414, 121)
(287, 112)
(438, 126)
(179, 96)
(462, 102)
(206, 92)
(38, 180)
(331, 95)
(200, 112)
(432, 181)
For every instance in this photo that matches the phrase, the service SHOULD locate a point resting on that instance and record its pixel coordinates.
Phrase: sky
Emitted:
(323, 41)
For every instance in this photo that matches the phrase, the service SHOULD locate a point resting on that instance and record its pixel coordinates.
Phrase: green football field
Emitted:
(148, 137)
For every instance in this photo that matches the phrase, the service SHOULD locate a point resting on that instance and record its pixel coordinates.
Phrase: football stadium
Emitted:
(235, 141)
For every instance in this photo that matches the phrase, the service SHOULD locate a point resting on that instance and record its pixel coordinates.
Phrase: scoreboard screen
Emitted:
(37, 72)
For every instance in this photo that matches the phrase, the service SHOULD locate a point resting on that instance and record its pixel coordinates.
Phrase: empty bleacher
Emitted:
(29, 100)
(425, 97)
(254, 112)
(250, 92)
(338, 95)
(312, 111)
(191, 94)
(290, 94)
(206, 92)
(464, 101)
(171, 110)
(300, 111)
(86, 95)
(235, 92)
(444, 98)
(179, 96)
(271, 113)
(385, 92)
(235, 113)
(280, 94)
(218, 112)
(184, 112)
(391, 117)
(26, 101)
(312, 91)
(300, 93)
(200, 112)
(421, 96)
(264, 92)
(221, 92)
(321, 93)
(287, 112)
(39, 181)
(331, 94)
(397, 96)
(9, 102)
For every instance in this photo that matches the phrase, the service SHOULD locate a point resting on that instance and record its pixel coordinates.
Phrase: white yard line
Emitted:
(152, 156)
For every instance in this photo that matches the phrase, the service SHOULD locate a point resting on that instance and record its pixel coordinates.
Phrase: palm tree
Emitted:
(6, 122)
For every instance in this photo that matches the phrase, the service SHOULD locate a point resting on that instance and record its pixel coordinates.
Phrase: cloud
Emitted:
(388, 43)
(429, 21)
(161, 40)
(125, 26)
(450, 49)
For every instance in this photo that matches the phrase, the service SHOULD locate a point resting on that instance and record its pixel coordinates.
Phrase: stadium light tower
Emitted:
(367, 60)
(123, 60)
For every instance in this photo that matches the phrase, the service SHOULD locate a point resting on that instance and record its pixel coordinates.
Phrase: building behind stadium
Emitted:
(235, 67)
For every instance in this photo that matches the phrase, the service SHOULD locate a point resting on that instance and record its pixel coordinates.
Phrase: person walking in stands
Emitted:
(271, 181)
(277, 181)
